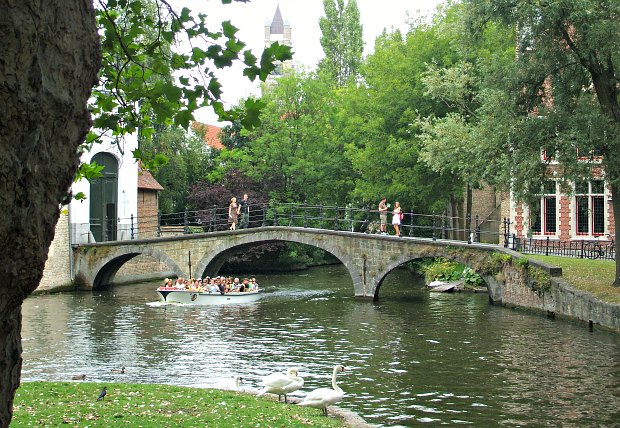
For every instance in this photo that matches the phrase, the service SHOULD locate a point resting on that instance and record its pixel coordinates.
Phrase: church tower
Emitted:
(278, 30)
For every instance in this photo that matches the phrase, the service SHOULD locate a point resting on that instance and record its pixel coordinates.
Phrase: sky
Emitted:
(303, 16)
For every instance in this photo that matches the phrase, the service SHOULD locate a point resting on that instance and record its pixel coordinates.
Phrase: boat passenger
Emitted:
(180, 284)
(221, 288)
(235, 285)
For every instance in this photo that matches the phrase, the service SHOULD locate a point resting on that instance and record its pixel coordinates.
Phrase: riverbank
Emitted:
(592, 276)
(75, 403)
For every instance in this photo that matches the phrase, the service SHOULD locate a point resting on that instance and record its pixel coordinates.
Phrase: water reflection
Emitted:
(412, 358)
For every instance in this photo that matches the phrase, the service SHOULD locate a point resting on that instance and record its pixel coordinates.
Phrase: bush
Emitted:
(443, 270)
(471, 278)
(495, 263)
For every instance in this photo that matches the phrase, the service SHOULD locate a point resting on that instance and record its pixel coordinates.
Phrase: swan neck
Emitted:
(334, 385)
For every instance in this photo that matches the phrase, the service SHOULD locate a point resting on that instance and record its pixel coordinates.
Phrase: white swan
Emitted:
(282, 384)
(233, 384)
(323, 397)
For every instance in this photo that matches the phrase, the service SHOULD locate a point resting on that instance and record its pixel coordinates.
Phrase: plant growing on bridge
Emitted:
(538, 280)
(522, 262)
(495, 263)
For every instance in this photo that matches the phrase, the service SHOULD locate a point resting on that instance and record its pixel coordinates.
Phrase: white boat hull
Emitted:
(204, 298)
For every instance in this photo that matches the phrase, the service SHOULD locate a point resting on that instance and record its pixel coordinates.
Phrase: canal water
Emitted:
(412, 358)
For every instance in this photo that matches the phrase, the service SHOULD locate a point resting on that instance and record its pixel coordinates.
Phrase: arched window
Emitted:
(104, 199)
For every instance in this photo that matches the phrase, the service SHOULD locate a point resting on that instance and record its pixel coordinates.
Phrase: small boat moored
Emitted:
(189, 297)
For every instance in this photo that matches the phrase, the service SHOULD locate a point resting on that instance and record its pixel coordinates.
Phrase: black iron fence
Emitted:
(584, 249)
(364, 220)
(330, 217)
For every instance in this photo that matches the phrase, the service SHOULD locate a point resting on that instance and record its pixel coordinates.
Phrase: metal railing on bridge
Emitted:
(348, 218)
(364, 220)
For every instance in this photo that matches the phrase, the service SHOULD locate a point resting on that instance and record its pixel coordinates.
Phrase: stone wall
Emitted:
(57, 272)
(561, 299)
(142, 268)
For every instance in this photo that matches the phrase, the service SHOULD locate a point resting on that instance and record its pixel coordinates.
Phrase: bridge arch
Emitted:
(212, 261)
(468, 259)
(103, 271)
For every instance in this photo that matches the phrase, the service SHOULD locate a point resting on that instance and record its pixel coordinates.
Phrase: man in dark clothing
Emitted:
(244, 206)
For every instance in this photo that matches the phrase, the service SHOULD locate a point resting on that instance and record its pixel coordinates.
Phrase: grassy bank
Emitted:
(593, 276)
(75, 404)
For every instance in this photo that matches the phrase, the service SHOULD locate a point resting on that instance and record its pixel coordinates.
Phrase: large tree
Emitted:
(49, 59)
(341, 39)
(561, 95)
(381, 137)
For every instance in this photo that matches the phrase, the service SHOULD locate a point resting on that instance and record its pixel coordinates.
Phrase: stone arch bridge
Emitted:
(368, 258)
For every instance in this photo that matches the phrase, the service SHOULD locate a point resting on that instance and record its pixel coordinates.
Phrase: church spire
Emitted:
(277, 23)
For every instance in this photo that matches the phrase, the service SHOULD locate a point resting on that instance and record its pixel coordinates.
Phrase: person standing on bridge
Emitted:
(233, 213)
(383, 211)
(398, 216)
(244, 210)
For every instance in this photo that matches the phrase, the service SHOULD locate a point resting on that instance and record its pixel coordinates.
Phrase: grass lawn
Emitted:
(74, 404)
(593, 276)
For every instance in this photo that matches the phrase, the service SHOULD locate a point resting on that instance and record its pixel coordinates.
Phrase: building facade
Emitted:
(121, 204)
(581, 213)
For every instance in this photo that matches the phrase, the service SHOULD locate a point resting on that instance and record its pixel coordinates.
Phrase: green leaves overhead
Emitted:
(272, 54)
(158, 66)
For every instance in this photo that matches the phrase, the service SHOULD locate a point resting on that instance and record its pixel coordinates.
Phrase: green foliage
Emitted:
(303, 256)
(538, 280)
(494, 263)
(342, 40)
(182, 159)
(471, 278)
(297, 153)
(522, 262)
(75, 404)
(378, 122)
(443, 270)
(155, 74)
(560, 95)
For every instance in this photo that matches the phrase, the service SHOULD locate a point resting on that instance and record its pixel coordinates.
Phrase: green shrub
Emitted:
(523, 262)
(471, 279)
(443, 270)
(538, 280)
(495, 263)
(419, 266)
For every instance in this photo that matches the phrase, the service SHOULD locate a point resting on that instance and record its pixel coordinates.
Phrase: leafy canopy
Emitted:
(158, 68)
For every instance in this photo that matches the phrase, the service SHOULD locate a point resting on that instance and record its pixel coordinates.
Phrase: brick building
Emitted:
(148, 204)
(584, 213)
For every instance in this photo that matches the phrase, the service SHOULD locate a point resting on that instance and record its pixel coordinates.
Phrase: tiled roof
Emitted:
(147, 181)
(212, 134)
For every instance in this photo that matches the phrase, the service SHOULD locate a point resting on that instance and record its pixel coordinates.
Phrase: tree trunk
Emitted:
(49, 58)
(470, 201)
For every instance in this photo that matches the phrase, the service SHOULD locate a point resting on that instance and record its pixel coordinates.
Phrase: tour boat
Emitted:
(176, 295)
